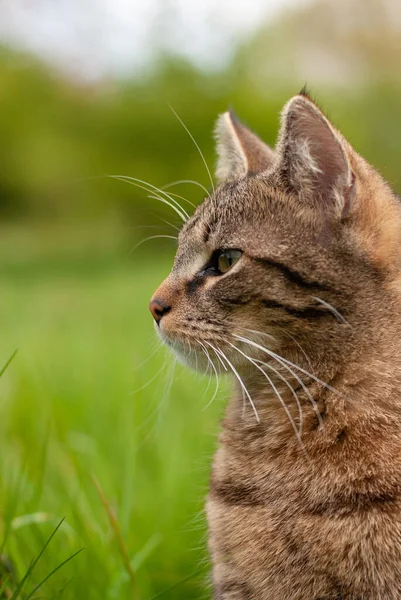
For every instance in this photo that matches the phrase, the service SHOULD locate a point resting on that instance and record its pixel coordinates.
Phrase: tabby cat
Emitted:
(289, 276)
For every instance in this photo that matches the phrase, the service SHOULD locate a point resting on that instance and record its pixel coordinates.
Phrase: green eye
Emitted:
(220, 262)
(227, 259)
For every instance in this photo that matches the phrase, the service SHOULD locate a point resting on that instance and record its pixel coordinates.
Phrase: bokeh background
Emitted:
(97, 424)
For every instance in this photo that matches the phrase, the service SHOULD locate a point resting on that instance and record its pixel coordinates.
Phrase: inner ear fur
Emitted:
(240, 152)
(313, 161)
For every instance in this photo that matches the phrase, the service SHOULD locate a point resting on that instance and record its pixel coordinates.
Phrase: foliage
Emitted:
(89, 428)
(60, 138)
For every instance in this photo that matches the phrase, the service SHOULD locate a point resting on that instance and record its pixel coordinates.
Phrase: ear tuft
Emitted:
(240, 152)
(313, 160)
(305, 92)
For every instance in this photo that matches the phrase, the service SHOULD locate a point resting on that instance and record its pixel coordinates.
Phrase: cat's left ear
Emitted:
(240, 152)
(313, 161)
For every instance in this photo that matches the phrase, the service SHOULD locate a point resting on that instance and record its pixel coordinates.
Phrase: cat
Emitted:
(289, 276)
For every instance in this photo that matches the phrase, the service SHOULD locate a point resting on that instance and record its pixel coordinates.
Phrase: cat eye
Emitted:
(221, 262)
(227, 259)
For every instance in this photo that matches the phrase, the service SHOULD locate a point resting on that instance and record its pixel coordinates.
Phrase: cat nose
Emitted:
(158, 309)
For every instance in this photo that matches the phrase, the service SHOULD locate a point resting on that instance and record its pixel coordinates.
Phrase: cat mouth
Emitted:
(187, 353)
(193, 352)
(213, 355)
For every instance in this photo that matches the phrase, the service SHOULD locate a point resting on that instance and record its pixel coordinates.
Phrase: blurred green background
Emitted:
(97, 424)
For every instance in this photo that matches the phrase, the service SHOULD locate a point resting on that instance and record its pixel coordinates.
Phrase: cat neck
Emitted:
(306, 392)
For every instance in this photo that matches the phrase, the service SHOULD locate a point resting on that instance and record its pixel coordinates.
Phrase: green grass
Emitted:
(90, 433)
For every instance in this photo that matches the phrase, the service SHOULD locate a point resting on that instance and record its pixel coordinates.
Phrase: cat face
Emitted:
(290, 251)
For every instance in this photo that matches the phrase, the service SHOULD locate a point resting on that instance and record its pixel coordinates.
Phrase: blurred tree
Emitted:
(345, 44)
(60, 137)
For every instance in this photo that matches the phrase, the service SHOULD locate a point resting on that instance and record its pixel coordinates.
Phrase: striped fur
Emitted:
(305, 492)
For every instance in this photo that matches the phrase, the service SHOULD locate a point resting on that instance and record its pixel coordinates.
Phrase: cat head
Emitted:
(293, 251)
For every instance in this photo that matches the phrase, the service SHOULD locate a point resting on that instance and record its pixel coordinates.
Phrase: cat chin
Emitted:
(193, 359)
(189, 356)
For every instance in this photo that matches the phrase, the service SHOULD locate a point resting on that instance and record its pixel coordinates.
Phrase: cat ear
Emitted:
(313, 162)
(240, 152)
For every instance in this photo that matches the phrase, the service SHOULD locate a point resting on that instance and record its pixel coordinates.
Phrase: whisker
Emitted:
(205, 352)
(196, 356)
(218, 357)
(166, 396)
(308, 360)
(298, 433)
(287, 383)
(152, 237)
(124, 177)
(284, 379)
(219, 351)
(283, 362)
(159, 410)
(182, 198)
(208, 372)
(243, 403)
(151, 380)
(335, 312)
(267, 335)
(153, 188)
(180, 181)
(177, 229)
(215, 372)
(197, 146)
(151, 226)
(158, 346)
(137, 183)
(156, 197)
(288, 362)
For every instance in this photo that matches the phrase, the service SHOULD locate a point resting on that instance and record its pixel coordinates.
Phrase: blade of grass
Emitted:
(8, 362)
(3, 588)
(146, 551)
(42, 459)
(7, 527)
(117, 532)
(11, 507)
(61, 591)
(35, 562)
(176, 585)
(35, 589)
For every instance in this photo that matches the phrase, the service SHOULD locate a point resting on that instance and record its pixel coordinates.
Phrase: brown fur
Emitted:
(315, 516)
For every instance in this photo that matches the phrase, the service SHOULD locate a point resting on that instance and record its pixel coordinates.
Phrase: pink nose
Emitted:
(158, 309)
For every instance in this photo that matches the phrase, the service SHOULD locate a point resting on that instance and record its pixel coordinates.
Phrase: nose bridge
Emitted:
(165, 293)
(163, 299)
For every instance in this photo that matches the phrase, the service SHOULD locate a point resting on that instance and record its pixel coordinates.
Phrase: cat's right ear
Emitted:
(240, 152)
